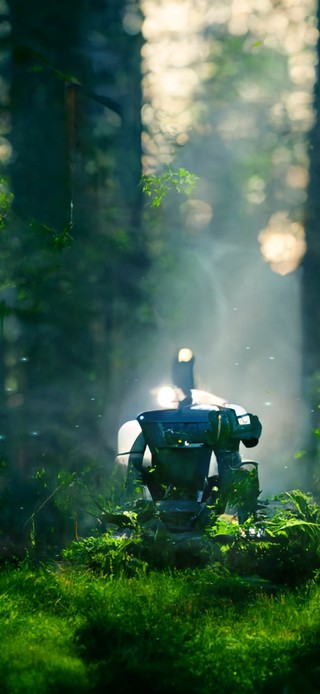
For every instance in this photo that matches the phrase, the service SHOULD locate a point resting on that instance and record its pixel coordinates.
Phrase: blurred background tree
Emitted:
(74, 250)
(311, 292)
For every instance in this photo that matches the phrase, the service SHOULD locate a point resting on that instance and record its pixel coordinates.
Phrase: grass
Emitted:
(140, 610)
(194, 631)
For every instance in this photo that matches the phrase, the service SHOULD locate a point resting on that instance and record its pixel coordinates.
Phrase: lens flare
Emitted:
(166, 396)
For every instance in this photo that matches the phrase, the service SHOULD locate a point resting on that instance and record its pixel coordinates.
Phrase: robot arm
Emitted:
(250, 443)
(137, 453)
(246, 427)
(227, 424)
(248, 432)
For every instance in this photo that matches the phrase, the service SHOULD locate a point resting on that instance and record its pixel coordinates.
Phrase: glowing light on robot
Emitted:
(166, 396)
(185, 354)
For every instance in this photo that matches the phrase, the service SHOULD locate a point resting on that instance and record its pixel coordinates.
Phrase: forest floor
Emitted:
(196, 631)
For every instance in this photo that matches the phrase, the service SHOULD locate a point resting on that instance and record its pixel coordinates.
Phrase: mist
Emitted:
(234, 296)
(245, 332)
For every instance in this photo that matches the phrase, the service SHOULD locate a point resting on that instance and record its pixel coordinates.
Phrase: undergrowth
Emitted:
(282, 547)
(124, 611)
(193, 631)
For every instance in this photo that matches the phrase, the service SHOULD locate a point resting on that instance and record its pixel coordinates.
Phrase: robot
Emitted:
(185, 458)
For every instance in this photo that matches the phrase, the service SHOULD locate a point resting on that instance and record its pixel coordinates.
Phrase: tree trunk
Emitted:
(311, 295)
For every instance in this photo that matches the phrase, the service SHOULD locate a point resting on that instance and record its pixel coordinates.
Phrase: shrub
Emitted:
(284, 548)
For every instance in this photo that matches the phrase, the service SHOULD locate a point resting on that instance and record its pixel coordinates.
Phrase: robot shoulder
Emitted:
(127, 434)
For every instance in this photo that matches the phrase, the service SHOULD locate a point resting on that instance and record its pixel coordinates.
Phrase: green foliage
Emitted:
(105, 554)
(301, 511)
(62, 505)
(138, 539)
(37, 653)
(129, 553)
(55, 240)
(157, 187)
(65, 630)
(223, 526)
(283, 548)
(6, 200)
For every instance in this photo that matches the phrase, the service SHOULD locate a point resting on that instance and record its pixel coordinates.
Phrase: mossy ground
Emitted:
(197, 631)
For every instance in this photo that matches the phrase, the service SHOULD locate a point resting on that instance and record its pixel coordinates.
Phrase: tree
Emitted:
(74, 249)
(311, 294)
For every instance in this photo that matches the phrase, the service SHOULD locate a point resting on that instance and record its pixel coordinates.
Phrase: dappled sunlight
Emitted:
(297, 177)
(181, 62)
(301, 67)
(172, 16)
(172, 50)
(228, 93)
(182, 54)
(198, 213)
(283, 243)
(299, 109)
(5, 151)
(166, 396)
(256, 190)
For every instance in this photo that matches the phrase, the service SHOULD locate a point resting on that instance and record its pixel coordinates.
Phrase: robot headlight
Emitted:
(167, 396)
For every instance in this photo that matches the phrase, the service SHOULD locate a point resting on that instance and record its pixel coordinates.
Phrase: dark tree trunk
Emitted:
(69, 315)
(45, 39)
(311, 295)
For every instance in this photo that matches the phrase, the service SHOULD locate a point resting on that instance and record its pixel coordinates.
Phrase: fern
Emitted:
(299, 517)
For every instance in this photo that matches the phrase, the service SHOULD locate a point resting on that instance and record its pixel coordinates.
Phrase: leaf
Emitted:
(157, 187)
(299, 454)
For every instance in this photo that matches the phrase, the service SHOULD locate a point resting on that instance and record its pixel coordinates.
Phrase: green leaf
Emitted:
(157, 187)
(299, 454)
